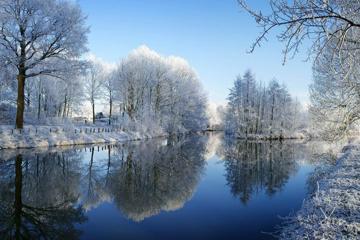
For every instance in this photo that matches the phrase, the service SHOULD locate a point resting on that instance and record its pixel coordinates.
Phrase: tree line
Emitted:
(256, 109)
(45, 195)
(331, 31)
(45, 75)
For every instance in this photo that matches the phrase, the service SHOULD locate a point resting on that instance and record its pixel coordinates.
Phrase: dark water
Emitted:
(197, 187)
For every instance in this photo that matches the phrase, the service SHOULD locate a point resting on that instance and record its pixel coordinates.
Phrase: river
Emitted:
(193, 187)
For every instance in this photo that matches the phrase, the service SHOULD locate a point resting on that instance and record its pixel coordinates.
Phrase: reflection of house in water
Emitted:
(259, 166)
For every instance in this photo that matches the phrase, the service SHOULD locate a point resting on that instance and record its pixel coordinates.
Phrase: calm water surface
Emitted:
(196, 187)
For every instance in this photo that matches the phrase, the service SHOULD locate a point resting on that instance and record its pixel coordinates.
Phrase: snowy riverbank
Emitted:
(47, 136)
(286, 136)
(333, 211)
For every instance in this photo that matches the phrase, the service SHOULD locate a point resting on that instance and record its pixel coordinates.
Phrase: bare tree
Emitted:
(333, 29)
(93, 85)
(109, 91)
(320, 21)
(34, 34)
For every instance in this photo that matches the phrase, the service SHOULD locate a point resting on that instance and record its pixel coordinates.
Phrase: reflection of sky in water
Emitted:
(153, 190)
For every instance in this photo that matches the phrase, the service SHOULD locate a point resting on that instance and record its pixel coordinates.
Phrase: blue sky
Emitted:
(212, 35)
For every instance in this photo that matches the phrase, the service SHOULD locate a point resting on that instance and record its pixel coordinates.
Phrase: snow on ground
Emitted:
(46, 136)
(333, 211)
(295, 135)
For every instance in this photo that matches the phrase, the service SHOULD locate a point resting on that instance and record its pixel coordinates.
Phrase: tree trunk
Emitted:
(90, 170)
(93, 111)
(68, 113)
(68, 108)
(18, 197)
(109, 158)
(110, 110)
(45, 104)
(39, 105)
(157, 101)
(20, 100)
(272, 115)
(65, 106)
(21, 82)
(28, 102)
(59, 110)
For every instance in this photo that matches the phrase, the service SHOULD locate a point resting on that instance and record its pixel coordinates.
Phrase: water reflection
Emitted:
(51, 194)
(44, 195)
(252, 167)
(37, 200)
(157, 177)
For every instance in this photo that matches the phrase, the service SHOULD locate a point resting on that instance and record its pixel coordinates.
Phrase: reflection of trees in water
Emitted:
(45, 194)
(255, 166)
(155, 177)
(37, 197)
(95, 170)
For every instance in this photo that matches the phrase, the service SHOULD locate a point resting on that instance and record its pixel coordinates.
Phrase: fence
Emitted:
(54, 130)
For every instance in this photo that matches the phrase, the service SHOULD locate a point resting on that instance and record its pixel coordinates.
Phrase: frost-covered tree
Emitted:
(37, 37)
(187, 100)
(161, 93)
(333, 28)
(136, 77)
(94, 85)
(335, 92)
(108, 86)
(255, 110)
(7, 85)
(324, 22)
(54, 97)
